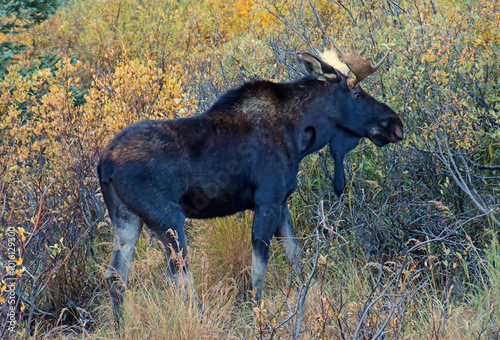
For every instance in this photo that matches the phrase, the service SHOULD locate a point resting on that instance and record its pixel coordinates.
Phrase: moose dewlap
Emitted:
(242, 153)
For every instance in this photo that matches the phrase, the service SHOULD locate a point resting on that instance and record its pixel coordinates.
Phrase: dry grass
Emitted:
(348, 299)
(222, 251)
(153, 309)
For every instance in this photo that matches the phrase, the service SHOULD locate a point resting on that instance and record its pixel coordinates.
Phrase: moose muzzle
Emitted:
(389, 131)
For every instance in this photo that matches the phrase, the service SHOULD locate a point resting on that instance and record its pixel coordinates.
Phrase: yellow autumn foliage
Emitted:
(49, 128)
(51, 146)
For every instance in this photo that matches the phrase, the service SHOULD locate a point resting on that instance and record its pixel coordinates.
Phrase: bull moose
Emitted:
(242, 153)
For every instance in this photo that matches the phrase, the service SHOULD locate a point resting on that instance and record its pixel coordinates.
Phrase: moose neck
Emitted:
(319, 124)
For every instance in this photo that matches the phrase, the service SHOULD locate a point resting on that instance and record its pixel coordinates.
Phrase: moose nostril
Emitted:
(398, 131)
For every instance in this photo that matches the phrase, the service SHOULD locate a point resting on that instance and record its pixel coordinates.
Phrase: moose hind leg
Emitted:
(168, 225)
(126, 231)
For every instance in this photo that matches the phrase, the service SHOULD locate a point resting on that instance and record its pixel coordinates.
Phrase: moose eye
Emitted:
(358, 95)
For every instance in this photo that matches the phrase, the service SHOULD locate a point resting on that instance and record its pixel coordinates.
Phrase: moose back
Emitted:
(242, 153)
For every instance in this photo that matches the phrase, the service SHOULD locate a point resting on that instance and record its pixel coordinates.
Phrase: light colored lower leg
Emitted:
(126, 231)
(289, 242)
(258, 274)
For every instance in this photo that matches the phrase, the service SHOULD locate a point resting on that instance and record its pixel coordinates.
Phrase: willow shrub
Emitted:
(49, 188)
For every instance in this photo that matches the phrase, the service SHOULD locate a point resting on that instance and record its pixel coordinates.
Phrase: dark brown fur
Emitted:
(243, 153)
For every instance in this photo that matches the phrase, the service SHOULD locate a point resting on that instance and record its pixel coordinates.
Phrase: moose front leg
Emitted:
(285, 235)
(265, 222)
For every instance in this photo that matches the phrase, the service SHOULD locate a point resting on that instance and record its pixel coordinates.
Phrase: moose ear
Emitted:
(316, 68)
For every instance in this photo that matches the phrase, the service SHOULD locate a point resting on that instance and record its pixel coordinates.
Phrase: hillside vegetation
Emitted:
(410, 250)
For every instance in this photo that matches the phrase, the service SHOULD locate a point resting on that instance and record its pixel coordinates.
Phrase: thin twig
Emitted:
(305, 288)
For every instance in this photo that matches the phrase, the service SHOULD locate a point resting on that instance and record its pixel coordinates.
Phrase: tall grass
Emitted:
(224, 251)
(154, 309)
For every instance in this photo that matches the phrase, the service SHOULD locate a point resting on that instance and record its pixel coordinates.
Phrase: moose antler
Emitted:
(358, 65)
(331, 58)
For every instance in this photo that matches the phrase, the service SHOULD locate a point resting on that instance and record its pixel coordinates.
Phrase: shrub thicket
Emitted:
(408, 251)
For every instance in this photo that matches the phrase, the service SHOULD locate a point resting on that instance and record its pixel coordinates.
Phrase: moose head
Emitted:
(361, 114)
